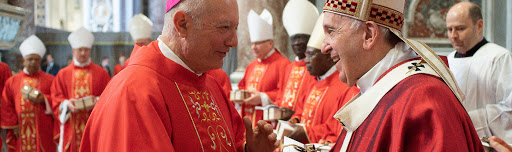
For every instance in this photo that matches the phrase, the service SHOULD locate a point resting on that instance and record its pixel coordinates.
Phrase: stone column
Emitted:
(244, 43)
(156, 12)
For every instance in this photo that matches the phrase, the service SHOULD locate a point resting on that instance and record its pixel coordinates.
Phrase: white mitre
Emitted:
(32, 45)
(260, 26)
(140, 27)
(318, 35)
(299, 17)
(81, 38)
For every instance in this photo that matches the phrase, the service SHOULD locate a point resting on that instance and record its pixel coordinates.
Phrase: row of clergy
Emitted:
(308, 91)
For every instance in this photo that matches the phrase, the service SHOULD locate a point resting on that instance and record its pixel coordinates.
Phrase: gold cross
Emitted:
(82, 90)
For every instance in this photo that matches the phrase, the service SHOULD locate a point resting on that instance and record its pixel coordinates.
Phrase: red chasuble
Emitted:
(298, 83)
(117, 69)
(35, 127)
(317, 108)
(419, 114)
(5, 73)
(222, 78)
(172, 109)
(266, 76)
(135, 48)
(73, 82)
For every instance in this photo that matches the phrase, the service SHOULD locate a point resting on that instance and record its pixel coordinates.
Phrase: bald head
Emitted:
(467, 9)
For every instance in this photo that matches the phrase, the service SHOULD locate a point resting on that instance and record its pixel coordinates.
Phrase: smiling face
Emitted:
(299, 44)
(317, 62)
(210, 37)
(344, 44)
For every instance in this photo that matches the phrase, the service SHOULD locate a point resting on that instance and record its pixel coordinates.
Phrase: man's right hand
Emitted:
(260, 138)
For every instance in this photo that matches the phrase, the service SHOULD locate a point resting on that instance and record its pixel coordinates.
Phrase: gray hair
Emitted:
(390, 37)
(194, 8)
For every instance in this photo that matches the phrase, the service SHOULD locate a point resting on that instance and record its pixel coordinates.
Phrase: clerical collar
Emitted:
(78, 64)
(473, 50)
(327, 74)
(268, 55)
(401, 52)
(168, 53)
(297, 59)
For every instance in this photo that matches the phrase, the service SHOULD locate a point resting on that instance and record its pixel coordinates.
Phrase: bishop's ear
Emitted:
(371, 33)
(181, 22)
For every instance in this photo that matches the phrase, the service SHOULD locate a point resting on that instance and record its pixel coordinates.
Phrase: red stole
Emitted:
(298, 82)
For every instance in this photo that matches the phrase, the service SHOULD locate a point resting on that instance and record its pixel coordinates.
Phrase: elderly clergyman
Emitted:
(163, 101)
(409, 100)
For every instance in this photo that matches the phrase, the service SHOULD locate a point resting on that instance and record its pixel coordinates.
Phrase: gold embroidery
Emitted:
(209, 120)
(312, 104)
(81, 88)
(293, 86)
(256, 76)
(28, 119)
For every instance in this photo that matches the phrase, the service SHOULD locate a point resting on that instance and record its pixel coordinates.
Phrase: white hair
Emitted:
(388, 35)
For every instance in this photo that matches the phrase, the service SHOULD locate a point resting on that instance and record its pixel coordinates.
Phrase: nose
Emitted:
(232, 41)
(453, 34)
(253, 47)
(326, 48)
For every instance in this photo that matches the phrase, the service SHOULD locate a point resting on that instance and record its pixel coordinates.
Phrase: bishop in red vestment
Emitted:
(299, 20)
(327, 95)
(28, 121)
(409, 100)
(186, 112)
(264, 76)
(164, 101)
(222, 78)
(81, 79)
(5, 73)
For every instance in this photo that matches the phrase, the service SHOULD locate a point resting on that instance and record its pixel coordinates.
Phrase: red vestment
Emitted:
(5, 73)
(419, 114)
(317, 108)
(298, 82)
(156, 105)
(266, 76)
(35, 127)
(117, 69)
(135, 48)
(73, 82)
(222, 78)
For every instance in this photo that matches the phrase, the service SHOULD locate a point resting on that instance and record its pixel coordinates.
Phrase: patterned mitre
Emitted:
(299, 17)
(390, 14)
(140, 27)
(260, 26)
(318, 35)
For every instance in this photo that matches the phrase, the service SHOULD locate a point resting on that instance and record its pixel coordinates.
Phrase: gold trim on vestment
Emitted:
(191, 119)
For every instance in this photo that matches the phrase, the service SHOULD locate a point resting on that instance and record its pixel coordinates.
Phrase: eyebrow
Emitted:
(328, 26)
(225, 22)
